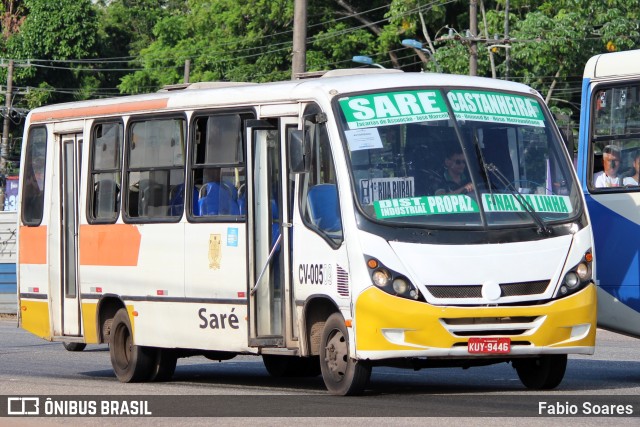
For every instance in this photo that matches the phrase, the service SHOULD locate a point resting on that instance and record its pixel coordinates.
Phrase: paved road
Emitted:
(31, 366)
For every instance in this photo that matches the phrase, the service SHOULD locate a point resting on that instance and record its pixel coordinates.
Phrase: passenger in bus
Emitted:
(634, 179)
(611, 163)
(454, 179)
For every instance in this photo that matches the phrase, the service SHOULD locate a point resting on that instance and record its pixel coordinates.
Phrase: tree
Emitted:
(251, 41)
(553, 44)
(11, 17)
(51, 32)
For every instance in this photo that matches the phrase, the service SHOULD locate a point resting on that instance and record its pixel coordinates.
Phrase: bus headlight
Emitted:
(576, 278)
(390, 281)
(400, 286)
(583, 271)
(380, 278)
(571, 280)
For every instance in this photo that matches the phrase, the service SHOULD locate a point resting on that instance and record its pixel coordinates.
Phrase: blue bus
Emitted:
(608, 167)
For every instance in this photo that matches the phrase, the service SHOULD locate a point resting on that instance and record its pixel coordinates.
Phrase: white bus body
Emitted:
(316, 223)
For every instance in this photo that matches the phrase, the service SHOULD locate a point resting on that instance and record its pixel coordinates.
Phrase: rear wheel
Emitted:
(164, 366)
(74, 346)
(342, 374)
(541, 373)
(131, 363)
(291, 366)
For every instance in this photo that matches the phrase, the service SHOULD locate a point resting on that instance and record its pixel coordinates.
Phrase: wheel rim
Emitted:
(337, 355)
(122, 339)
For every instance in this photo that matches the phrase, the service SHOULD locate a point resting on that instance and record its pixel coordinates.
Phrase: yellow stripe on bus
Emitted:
(421, 327)
(89, 322)
(34, 317)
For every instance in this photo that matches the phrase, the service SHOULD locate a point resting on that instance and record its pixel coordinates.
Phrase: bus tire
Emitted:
(291, 366)
(131, 363)
(74, 346)
(164, 366)
(541, 373)
(342, 374)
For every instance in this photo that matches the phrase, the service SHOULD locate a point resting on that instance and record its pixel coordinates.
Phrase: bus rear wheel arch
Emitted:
(542, 372)
(342, 374)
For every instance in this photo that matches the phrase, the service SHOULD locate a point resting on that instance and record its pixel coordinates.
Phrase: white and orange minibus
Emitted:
(330, 225)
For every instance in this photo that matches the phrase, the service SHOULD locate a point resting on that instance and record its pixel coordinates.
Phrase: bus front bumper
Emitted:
(390, 327)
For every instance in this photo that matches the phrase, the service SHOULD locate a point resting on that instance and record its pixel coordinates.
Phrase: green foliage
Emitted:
(59, 30)
(553, 44)
(53, 31)
(39, 96)
(150, 40)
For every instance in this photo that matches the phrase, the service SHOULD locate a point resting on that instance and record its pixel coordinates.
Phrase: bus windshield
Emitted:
(460, 157)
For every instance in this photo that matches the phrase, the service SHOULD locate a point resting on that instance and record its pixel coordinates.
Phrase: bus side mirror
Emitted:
(299, 151)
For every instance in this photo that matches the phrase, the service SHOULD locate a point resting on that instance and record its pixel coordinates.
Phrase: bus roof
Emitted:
(251, 94)
(613, 64)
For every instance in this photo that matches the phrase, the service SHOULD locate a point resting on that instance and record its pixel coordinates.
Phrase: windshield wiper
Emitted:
(542, 227)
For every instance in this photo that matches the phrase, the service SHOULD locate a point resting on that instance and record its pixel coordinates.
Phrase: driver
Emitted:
(454, 179)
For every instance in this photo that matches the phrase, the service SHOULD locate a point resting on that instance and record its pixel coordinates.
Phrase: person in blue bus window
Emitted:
(611, 163)
(634, 179)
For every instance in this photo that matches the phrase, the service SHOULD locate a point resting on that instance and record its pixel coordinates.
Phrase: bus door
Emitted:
(66, 289)
(268, 234)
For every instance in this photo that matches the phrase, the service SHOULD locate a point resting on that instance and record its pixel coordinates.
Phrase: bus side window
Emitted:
(34, 169)
(217, 169)
(156, 150)
(320, 202)
(105, 167)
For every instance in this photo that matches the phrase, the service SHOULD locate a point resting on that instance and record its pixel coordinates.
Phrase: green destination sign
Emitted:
(425, 205)
(382, 109)
(495, 107)
(539, 203)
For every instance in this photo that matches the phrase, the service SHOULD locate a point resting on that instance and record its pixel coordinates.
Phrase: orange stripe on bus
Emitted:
(33, 245)
(124, 107)
(109, 244)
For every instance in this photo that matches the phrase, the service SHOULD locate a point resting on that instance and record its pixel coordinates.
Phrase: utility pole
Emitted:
(187, 70)
(4, 147)
(299, 60)
(473, 44)
(506, 38)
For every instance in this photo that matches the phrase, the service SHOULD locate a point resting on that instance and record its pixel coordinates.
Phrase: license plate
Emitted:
(489, 345)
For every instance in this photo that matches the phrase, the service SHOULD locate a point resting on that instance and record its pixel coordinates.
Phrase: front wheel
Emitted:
(131, 363)
(342, 374)
(541, 373)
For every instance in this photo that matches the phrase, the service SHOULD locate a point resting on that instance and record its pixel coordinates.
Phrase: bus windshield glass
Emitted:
(461, 157)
